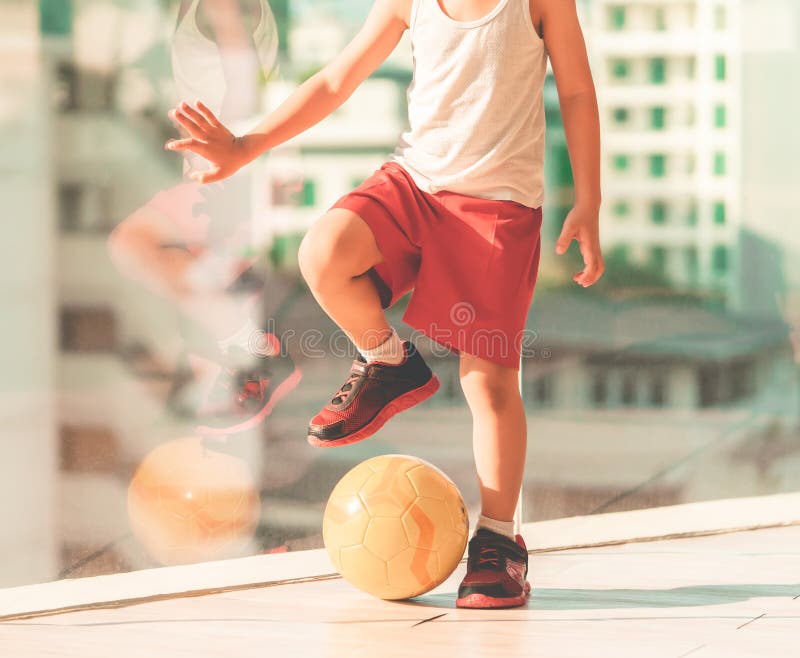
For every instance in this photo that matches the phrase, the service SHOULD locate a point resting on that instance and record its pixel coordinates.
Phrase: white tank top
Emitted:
(475, 104)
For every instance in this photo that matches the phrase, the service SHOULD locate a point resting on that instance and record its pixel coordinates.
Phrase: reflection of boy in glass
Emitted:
(190, 242)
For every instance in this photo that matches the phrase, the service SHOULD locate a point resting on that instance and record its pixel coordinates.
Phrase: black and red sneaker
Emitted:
(372, 394)
(496, 572)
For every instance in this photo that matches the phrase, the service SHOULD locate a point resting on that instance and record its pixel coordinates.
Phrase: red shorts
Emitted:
(472, 262)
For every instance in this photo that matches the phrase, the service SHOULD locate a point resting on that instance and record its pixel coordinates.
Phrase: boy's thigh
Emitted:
(341, 238)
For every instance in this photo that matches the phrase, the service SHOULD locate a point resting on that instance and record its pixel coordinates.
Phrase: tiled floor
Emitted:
(735, 594)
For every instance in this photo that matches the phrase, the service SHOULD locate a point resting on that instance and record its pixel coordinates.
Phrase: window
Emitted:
(541, 390)
(628, 392)
(719, 259)
(617, 17)
(658, 212)
(720, 116)
(719, 67)
(658, 259)
(720, 17)
(657, 118)
(719, 213)
(691, 214)
(658, 70)
(88, 329)
(620, 68)
(599, 389)
(621, 209)
(660, 19)
(308, 194)
(658, 165)
(55, 17)
(621, 162)
(658, 390)
(720, 164)
(70, 205)
(692, 264)
(621, 115)
(709, 385)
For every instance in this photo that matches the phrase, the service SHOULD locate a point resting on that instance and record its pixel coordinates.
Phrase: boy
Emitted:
(455, 215)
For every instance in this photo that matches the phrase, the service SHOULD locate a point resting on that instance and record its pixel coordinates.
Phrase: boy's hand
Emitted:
(581, 224)
(210, 139)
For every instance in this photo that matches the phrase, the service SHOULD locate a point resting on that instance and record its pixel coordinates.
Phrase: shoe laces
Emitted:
(345, 389)
(488, 556)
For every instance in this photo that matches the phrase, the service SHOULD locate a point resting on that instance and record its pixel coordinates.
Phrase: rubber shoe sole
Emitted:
(400, 403)
(484, 601)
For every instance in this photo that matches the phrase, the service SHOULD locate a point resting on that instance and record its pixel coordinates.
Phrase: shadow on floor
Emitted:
(677, 597)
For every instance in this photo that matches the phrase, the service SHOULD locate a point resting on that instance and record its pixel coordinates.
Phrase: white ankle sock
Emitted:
(389, 351)
(500, 527)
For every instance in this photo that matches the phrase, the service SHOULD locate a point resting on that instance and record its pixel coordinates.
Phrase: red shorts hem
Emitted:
(472, 262)
(483, 340)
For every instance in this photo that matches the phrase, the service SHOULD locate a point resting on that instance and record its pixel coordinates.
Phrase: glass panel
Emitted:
(163, 354)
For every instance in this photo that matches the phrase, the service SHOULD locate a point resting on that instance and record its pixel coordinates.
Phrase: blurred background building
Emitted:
(673, 380)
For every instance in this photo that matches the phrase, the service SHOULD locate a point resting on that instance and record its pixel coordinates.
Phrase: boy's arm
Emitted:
(311, 102)
(566, 48)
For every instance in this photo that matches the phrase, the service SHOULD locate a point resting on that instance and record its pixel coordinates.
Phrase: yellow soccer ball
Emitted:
(395, 526)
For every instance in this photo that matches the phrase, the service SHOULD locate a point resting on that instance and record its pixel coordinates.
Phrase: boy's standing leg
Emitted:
(498, 559)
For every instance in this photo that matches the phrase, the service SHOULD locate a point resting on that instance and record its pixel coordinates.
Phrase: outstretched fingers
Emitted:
(208, 115)
(188, 144)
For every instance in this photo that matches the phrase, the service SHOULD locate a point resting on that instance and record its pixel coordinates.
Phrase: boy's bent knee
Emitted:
(338, 245)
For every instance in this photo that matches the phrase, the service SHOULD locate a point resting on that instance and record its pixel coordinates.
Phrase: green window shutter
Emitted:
(620, 68)
(621, 209)
(308, 194)
(719, 259)
(621, 162)
(658, 70)
(621, 114)
(720, 66)
(720, 116)
(617, 17)
(719, 213)
(720, 164)
(657, 118)
(55, 17)
(658, 166)
(658, 212)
